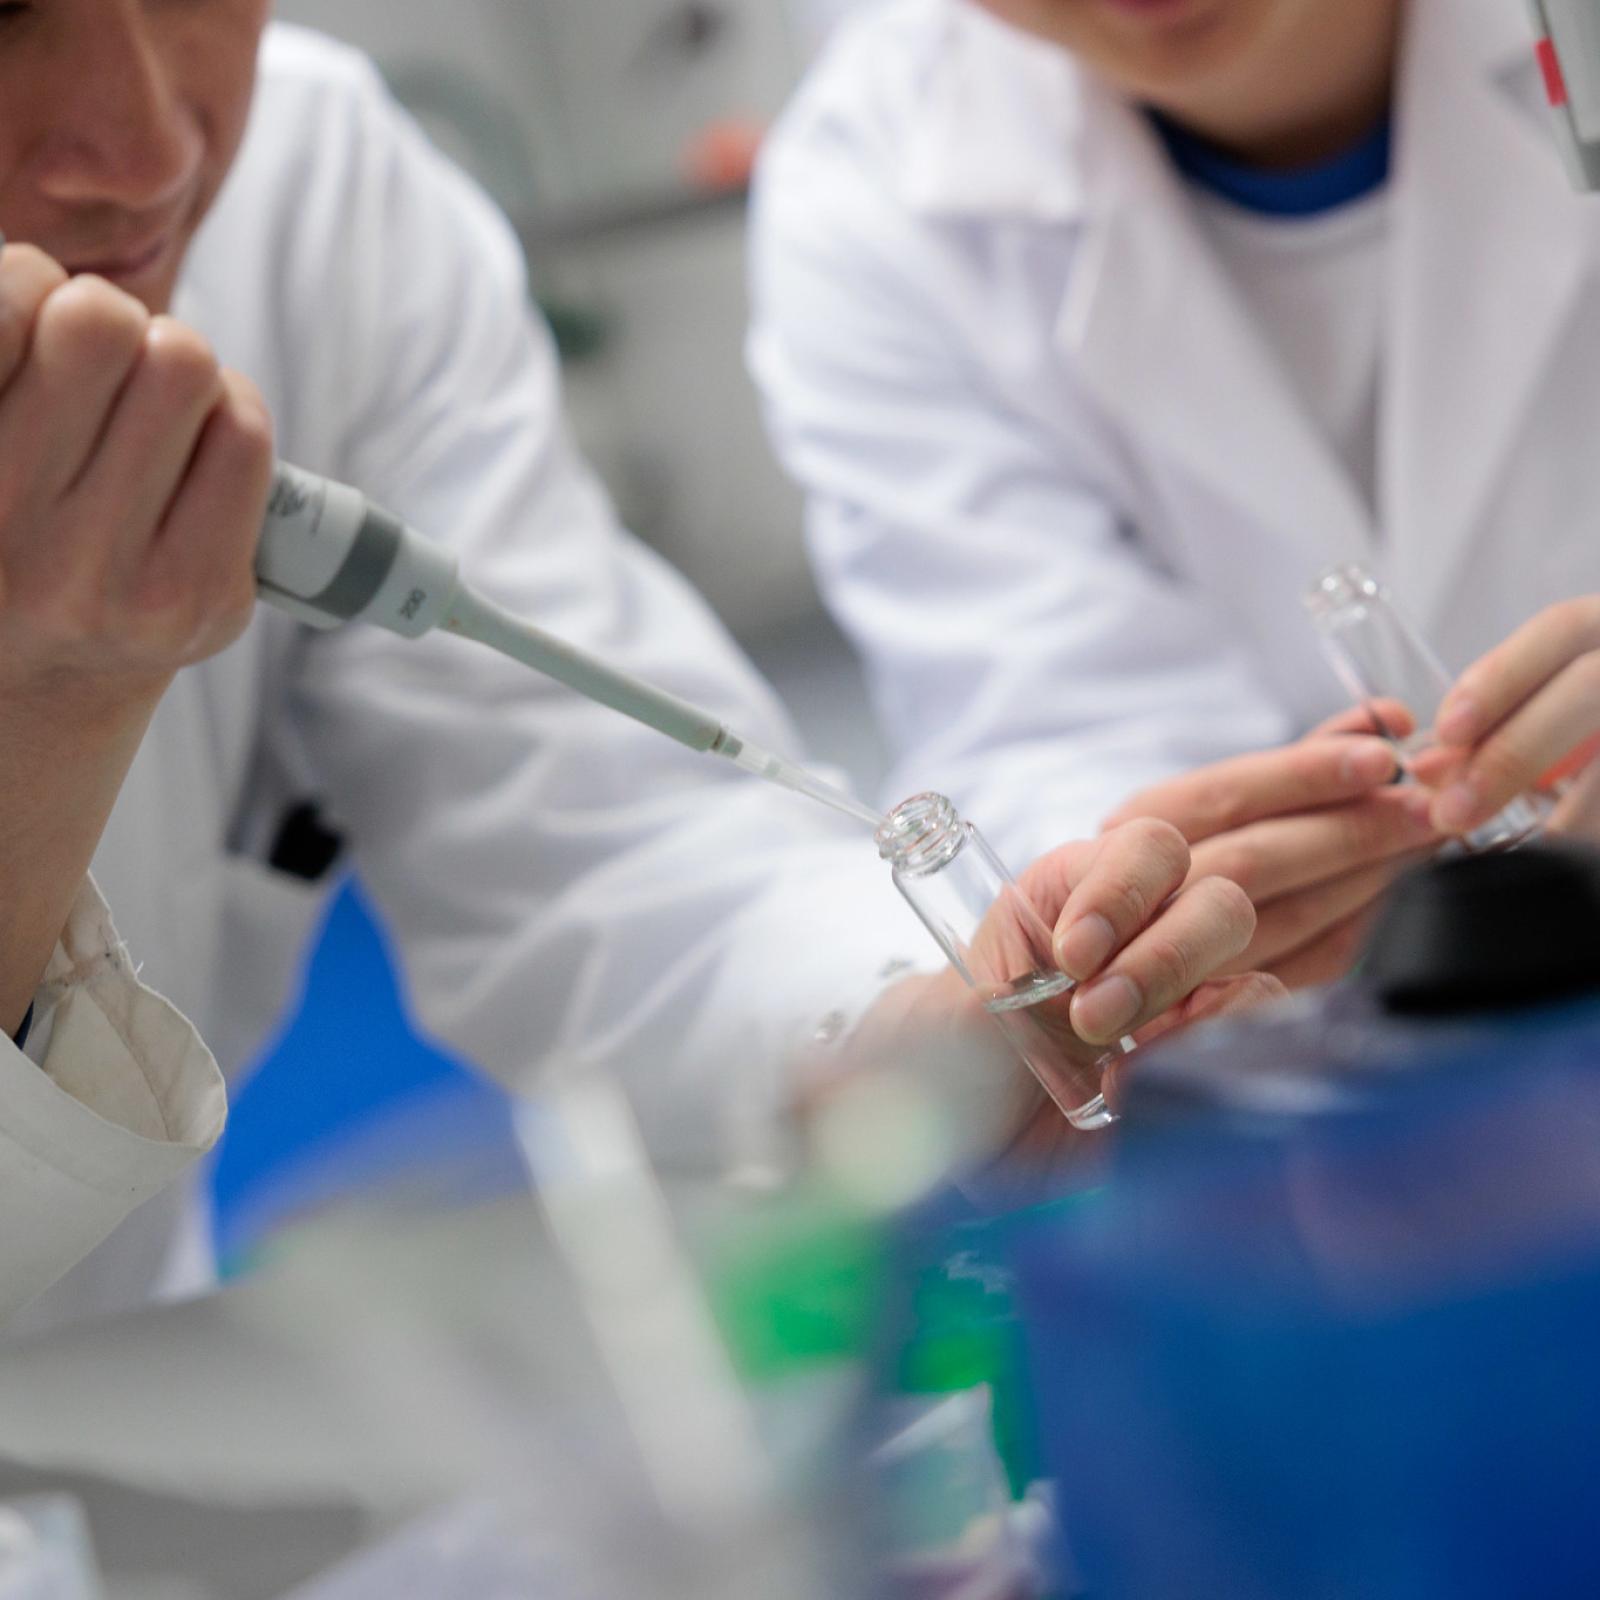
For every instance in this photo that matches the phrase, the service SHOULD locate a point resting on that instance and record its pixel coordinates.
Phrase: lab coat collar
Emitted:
(1488, 238)
(1499, 37)
(999, 116)
(1491, 252)
(1009, 127)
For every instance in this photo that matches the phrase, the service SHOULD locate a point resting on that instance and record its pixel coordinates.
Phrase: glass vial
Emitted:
(995, 938)
(1379, 655)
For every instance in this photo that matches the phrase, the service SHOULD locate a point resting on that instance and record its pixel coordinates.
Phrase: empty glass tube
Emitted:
(1379, 655)
(995, 938)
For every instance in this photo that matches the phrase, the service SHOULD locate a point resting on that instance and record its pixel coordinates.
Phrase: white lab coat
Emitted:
(814, 20)
(568, 889)
(115, 1097)
(1061, 493)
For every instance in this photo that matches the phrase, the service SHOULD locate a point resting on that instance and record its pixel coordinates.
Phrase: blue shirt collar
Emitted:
(1302, 192)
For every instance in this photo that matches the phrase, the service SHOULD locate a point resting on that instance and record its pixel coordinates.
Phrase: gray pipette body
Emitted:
(328, 556)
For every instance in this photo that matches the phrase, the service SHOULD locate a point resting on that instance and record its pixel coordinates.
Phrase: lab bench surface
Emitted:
(233, 1447)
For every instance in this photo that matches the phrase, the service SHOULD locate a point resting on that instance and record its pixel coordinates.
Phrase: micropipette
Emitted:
(329, 556)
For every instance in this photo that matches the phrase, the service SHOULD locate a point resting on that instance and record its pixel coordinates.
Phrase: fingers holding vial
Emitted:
(1526, 712)
(1097, 941)
(1314, 832)
(1318, 772)
(1129, 937)
(1139, 934)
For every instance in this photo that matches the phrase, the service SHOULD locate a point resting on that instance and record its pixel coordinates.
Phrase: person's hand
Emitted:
(1141, 930)
(1526, 714)
(1146, 939)
(1314, 833)
(133, 476)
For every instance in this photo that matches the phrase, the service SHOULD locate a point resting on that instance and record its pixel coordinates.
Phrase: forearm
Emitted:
(63, 757)
(136, 471)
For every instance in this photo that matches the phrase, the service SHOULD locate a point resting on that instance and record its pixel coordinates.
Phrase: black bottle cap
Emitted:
(1490, 933)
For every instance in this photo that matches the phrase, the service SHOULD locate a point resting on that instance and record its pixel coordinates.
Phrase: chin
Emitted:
(1179, 62)
(1148, 47)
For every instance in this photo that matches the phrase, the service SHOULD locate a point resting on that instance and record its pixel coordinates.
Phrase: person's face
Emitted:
(1169, 53)
(119, 120)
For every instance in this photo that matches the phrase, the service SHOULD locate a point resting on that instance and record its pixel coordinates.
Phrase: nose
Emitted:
(122, 134)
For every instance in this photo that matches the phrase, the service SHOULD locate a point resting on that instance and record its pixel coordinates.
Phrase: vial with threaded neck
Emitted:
(1378, 654)
(994, 936)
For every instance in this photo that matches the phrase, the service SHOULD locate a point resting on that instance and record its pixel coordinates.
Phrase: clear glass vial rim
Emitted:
(922, 835)
(1339, 591)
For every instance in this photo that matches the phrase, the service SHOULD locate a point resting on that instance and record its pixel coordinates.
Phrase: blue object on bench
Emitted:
(1343, 1354)
(350, 1100)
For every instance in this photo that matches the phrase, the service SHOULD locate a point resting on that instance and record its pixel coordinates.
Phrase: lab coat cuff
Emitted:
(116, 1094)
(882, 945)
(866, 940)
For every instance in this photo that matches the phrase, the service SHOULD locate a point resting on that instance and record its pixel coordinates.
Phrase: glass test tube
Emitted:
(995, 938)
(1379, 655)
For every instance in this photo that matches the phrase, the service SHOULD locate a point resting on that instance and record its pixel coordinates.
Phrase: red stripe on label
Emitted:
(1555, 83)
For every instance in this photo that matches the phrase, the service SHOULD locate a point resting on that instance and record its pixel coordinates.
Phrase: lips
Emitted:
(1153, 10)
(132, 262)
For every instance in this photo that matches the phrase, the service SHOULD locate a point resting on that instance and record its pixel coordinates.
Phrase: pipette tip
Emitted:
(791, 775)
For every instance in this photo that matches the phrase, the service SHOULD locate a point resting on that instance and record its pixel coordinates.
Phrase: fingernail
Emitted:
(1457, 808)
(1458, 722)
(1086, 947)
(1420, 805)
(1105, 1010)
(1434, 767)
(1368, 762)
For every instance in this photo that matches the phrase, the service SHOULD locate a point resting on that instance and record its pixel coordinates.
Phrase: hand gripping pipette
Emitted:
(328, 556)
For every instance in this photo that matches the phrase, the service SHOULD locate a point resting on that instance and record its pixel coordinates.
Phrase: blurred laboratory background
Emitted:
(618, 136)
